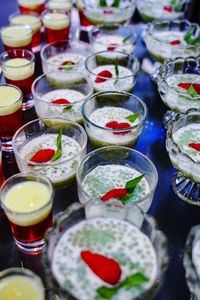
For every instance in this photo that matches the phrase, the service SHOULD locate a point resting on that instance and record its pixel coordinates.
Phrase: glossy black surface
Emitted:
(174, 217)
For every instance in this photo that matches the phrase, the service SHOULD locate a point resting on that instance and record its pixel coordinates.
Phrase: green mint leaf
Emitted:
(191, 91)
(116, 69)
(132, 118)
(102, 3)
(116, 3)
(189, 38)
(131, 185)
(58, 153)
(126, 38)
(178, 7)
(132, 281)
(127, 198)
(67, 108)
(68, 66)
(172, 2)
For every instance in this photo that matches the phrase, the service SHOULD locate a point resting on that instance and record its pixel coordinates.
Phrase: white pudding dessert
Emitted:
(18, 69)
(119, 245)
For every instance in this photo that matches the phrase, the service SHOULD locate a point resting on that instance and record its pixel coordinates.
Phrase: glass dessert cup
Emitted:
(34, 21)
(100, 110)
(108, 168)
(65, 55)
(44, 135)
(112, 13)
(27, 201)
(56, 24)
(101, 241)
(18, 281)
(113, 38)
(59, 94)
(29, 6)
(60, 5)
(182, 145)
(18, 68)
(167, 39)
(178, 85)
(10, 114)
(109, 73)
(16, 37)
(151, 10)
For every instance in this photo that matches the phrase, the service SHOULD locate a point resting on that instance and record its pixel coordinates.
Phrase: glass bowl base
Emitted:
(168, 117)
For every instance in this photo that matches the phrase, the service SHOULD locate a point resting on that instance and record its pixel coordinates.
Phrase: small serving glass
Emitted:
(60, 5)
(43, 134)
(101, 135)
(78, 213)
(167, 39)
(118, 156)
(184, 155)
(29, 6)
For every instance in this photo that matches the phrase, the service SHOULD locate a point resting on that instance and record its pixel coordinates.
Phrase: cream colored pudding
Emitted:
(125, 82)
(33, 4)
(19, 287)
(196, 257)
(18, 69)
(71, 111)
(28, 197)
(25, 19)
(60, 5)
(16, 36)
(55, 21)
(113, 238)
(64, 168)
(10, 100)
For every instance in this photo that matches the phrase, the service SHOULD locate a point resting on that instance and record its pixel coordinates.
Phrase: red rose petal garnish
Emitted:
(195, 146)
(197, 87)
(104, 267)
(175, 42)
(60, 101)
(114, 193)
(105, 73)
(112, 124)
(168, 8)
(112, 47)
(68, 62)
(116, 125)
(108, 11)
(187, 85)
(43, 155)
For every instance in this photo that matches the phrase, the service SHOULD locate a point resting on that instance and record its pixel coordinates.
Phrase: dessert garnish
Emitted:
(116, 70)
(103, 3)
(67, 65)
(126, 39)
(104, 267)
(112, 47)
(189, 36)
(193, 89)
(58, 153)
(195, 146)
(105, 73)
(175, 42)
(116, 125)
(168, 8)
(124, 194)
(132, 118)
(60, 101)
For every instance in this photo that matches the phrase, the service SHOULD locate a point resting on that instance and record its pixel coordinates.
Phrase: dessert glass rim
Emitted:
(160, 72)
(15, 87)
(31, 61)
(170, 134)
(59, 12)
(28, 33)
(36, 177)
(89, 90)
(19, 14)
(99, 8)
(139, 124)
(46, 164)
(135, 63)
(85, 158)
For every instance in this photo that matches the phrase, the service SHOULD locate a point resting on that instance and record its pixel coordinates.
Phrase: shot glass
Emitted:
(29, 6)
(113, 118)
(27, 200)
(23, 282)
(60, 5)
(33, 20)
(50, 147)
(56, 25)
(10, 113)
(59, 94)
(16, 37)
(105, 170)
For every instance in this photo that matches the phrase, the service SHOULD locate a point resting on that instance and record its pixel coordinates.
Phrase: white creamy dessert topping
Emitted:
(25, 19)
(24, 69)
(9, 100)
(16, 36)
(174, 80)
(56, 21)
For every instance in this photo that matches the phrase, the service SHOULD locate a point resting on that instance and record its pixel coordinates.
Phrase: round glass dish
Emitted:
(170, 39)
(99, 214)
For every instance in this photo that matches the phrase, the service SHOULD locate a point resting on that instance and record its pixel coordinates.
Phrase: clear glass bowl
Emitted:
(77, 213)
(186, 182)
(55, 54)
(125, 161)
(98, 133)
(113, 38)
(128, 67)
(159, 35)
(161, 10)
(97, 14)
(32, 137)
(73, 87)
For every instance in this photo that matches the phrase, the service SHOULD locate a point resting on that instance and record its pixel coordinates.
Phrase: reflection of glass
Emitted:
(105, 238)
(28, 6)
(27, 200)
(1, 167)
(22, 282)
(112, 167)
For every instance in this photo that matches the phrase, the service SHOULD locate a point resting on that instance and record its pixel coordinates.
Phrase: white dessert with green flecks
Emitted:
(71, 111)
(59, 171)
(125, 80)
(196, 257)
(113, 238)
(106, 114)
(178, 98)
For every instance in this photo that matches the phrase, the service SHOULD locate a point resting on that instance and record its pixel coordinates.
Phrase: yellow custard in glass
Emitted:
(9, 97)
(18, 69)
(16, 35)
(31, 20)
(56, 21)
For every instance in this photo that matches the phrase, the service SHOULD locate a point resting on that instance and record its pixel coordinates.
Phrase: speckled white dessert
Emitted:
(52, 104)
(112, 238)
(18, 68)
(196, 257)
